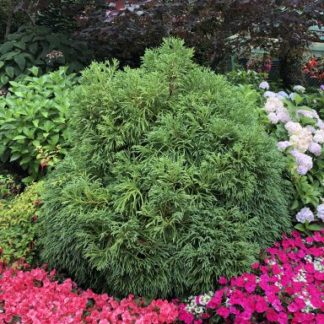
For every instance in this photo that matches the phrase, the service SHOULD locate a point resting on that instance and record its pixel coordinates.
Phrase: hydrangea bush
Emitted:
(172, 183)
(299, 130)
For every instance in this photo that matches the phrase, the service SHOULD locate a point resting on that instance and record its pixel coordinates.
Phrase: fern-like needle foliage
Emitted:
(171, 184)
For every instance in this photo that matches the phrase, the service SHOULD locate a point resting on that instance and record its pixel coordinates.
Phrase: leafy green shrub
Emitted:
(17, 224)
(246, 77)
(171, 184)
(33, 121)
(39, 47)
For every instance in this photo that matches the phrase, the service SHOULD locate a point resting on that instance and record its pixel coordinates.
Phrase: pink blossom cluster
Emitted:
(34, 297)
(287, 287)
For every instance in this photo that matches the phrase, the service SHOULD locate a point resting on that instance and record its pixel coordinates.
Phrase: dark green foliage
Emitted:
(39, 46)
(171, 184)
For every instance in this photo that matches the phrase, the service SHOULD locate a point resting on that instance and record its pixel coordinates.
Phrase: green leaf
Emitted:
(6, 47)
(25, 161)
(9, 56)
(36, 143)
(315, 227)
(4, 79)
(19, 137)
(36, 122)
(34, 70)
(301, 228)
(20, 45)
(21, 61)
(298, 99)
(2, 149)
(54, 140)
(14, 157)
(10, 71)
(33, 48)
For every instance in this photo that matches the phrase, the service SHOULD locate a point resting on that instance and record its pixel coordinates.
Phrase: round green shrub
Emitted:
(171, 184)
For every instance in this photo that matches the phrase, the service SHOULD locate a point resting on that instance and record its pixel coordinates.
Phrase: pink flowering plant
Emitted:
(286, 287)
(34, 297)
(299, 130)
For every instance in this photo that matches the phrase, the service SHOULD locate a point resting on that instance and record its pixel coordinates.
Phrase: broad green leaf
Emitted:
(301, 228)
(315, 227)
(4, 79)
(6, 47)
(34, 70)
(36, 122)
(14, 157)
(10, 71)
(20, 45)
(9, 56)
(21, 61)
(19, 137)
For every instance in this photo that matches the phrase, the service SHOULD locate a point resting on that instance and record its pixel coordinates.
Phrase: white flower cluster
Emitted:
(196, 304)
(301, 139)
(318, 263)
(276, 110)
(306, 215)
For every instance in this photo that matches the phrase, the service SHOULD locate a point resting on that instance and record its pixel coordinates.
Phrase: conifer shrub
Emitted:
(171, 184)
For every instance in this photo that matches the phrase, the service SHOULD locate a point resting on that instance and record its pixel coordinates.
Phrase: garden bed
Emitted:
(286, 286)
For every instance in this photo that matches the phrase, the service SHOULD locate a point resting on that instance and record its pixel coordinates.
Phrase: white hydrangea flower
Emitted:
(282, 95)
(264, 85)
(299, 88)
(301, 140)
(283, 145)
(308, 113)
(283, 115)
(273, 104)
(273, 118)
(269, 94)
(319, 136)
(320, 124)
(315, 148)
(293, 127)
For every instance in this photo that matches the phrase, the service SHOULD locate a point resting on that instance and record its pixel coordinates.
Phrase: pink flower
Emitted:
(272, 315)
(261, 305)
(255, 265)
(223, 312)
(222, 281)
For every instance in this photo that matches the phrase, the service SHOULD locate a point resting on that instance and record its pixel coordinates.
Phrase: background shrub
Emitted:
(39, 46)
(33, 121)
(171, 184)
(217, 29)
(17, 225)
